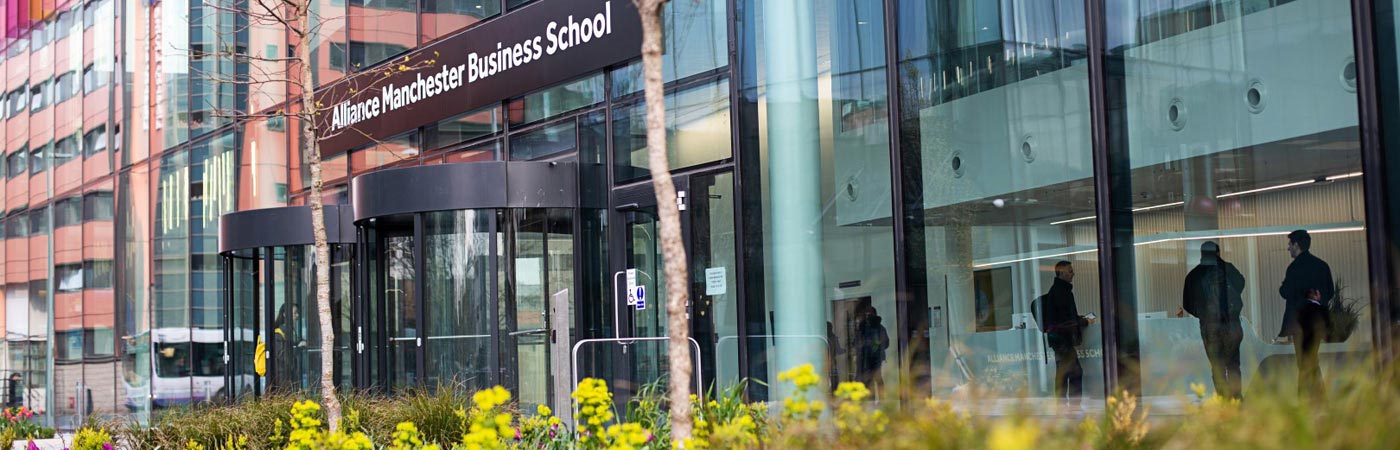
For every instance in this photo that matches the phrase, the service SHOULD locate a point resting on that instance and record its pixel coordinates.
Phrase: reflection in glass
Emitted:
(696, 40)
(697, 131)
(1006, 167)
(556, 100)
(545, 141)
(381, 29)
(442, 17)
(820, 130)
(457, 249)
(1232, 145)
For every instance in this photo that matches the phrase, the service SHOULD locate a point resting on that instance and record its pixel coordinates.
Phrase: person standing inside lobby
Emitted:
(1214, 294)
(1064, 330)
(1307, 288)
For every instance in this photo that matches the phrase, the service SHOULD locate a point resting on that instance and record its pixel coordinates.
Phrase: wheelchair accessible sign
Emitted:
(636, 294)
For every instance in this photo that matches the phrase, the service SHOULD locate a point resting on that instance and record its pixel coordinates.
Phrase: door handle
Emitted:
(528, 332)
(628, 207)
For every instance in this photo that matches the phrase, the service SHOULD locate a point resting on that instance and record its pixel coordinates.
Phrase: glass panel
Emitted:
(381, 29)
(462, 128)
(549, 140)
(401, 311)
(696, 40)
(485, 152)
(442, 17)
(328, 49)
(697, 131)
(457, 249)
(1007, 180)
(642, 251)
(243, 324)
(1247, 216)
(556, 100)
(820, 131)
(403, 147)
(714, 265)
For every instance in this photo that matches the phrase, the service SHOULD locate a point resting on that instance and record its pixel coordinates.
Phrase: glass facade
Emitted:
(1032, 199)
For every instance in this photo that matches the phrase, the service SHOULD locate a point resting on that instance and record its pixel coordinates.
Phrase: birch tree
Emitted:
(672, 247)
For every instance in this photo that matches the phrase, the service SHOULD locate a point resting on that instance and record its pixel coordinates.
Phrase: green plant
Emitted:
(1344, 315)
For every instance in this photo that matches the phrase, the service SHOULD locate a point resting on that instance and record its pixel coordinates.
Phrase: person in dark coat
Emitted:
(1064, 328)
(1213, 293)
(1306, 285)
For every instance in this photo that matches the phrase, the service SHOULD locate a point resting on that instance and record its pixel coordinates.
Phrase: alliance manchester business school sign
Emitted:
(542, 44)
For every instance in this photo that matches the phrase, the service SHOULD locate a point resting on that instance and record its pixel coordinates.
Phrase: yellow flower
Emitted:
(1012, 436)
(1199, 389)
(543, 410)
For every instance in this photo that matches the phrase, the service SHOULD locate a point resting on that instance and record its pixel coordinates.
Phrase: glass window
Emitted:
(65, 87)
(403, 147)
(818, 124)
(39, 95)
(69, 277)
(63, 25)
(466, 127)
(697, 131)
(38, 36)
(548, 140)
(66, 149)
(696, 40)
(39, 221)
(17, 163)
(381, 29)
(556, 100)
(995, 106)
(1247, 220)
(68, 212)
(97, 274)
(97, 207)
(17, 226)
(484, 152)
(95, 141)
(38, 160)
(442, 17)
(93, 79)
(19, 100)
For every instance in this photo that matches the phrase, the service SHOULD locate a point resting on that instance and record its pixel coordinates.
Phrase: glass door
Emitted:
(707, 227)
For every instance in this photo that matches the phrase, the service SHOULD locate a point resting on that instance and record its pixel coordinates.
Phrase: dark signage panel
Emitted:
(542, 44)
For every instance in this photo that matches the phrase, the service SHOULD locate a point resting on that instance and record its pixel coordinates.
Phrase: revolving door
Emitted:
(469, 281)
(271, 334)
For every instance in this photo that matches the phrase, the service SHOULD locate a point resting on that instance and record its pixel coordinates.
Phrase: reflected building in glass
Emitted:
(1006, 203)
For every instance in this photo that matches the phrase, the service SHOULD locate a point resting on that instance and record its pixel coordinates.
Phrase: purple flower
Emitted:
(106, 446)
(32, 445)
(517, 435)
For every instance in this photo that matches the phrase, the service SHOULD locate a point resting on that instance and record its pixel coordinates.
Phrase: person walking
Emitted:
(1213, 294)
(1307, 288)
(1064, 330)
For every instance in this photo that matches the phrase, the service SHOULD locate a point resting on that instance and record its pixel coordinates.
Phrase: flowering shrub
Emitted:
(488, 427)
(19, 424)
(799, 408)
(92, 439)
(544, 431)
(854, 422)
(307, 432)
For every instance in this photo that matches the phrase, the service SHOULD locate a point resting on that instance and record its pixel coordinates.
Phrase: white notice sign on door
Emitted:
(716, 282)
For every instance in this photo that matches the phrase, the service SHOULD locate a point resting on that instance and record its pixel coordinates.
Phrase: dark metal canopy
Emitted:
(474, 185)
(278, 227)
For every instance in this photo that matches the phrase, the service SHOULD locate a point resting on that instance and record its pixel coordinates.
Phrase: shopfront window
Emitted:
(995, 114)
(816, 122)
(1242, 170)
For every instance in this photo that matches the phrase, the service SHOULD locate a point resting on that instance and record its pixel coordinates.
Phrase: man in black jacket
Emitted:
(1064, 328)
(1213, 293)
(1307, 288)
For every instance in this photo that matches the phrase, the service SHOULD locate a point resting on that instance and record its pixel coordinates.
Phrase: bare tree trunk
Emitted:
(312, 155)
(672, 247)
